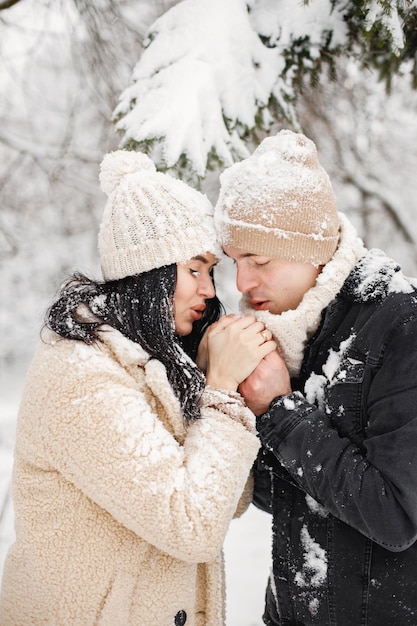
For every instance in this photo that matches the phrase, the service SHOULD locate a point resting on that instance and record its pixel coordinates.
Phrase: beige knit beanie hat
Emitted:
(150, 219)
(279, 202)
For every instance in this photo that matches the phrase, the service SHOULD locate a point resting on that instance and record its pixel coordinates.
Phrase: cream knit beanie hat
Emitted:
(150, 219)
(279, 202)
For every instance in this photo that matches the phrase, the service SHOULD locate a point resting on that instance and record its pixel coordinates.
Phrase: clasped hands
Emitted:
(238, 353)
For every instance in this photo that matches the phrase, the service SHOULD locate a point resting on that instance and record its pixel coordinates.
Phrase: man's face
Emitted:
(271, 284)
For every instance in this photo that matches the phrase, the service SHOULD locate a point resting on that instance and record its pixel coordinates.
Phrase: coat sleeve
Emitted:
(104, 436)
(372, 487)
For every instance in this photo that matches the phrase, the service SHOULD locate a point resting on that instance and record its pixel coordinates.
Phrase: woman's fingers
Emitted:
(265, 335)
(267, 347)
(235, 347)
(238, 323)
(223, 323)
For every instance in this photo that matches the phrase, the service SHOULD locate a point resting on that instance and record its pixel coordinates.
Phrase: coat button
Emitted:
(180, 618)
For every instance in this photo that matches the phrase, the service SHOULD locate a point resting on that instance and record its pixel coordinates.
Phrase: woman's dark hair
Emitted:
(141, 307)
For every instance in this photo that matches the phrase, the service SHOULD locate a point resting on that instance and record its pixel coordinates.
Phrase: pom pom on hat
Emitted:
(118, 164)
(279, 202)
(151, 219)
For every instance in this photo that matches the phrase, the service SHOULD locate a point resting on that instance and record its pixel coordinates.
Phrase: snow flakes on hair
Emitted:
(118, 164)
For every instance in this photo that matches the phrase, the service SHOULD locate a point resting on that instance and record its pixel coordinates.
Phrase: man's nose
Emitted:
(245, 279)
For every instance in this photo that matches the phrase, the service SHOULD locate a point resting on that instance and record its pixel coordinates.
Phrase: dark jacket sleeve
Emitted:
(373, 486)
(262, 489)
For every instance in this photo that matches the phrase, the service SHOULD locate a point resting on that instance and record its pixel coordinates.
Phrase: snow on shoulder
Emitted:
(376, 276)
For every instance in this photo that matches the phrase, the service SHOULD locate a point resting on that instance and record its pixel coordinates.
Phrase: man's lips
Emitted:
(259, 305)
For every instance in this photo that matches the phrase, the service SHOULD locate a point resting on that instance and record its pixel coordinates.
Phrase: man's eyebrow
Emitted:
(244, 255)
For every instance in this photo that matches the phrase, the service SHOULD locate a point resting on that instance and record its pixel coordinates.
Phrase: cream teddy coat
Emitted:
(121, 508)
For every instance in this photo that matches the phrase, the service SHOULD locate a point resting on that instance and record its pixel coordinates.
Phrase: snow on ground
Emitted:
(247, 546)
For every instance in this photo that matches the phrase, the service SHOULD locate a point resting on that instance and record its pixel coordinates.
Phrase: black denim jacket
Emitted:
(338, 467)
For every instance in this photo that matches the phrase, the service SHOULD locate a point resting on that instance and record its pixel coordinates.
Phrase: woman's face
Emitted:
(194, 287)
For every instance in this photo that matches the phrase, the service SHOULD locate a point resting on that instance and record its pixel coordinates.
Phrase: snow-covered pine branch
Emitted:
(213, 73)
(198, 87)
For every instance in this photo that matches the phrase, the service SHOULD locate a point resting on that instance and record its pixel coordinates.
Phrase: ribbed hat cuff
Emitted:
(279, 244)
(157, 253)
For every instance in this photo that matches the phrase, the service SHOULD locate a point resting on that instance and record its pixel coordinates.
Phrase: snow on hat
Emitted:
(150, 219)
(279, 202)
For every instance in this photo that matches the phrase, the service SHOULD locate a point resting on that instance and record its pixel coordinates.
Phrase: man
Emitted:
(337, 407)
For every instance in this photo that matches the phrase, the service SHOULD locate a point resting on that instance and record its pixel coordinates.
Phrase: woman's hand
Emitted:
(235, 346)
(202, 352)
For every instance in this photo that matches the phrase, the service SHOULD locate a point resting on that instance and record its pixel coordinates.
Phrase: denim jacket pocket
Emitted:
(343, 397)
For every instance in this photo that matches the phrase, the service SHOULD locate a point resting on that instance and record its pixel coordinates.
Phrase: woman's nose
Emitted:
(206, 287)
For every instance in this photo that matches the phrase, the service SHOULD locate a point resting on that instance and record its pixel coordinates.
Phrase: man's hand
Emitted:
(268, 380)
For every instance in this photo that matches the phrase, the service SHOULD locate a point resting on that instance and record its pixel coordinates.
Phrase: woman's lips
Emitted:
(197, 312)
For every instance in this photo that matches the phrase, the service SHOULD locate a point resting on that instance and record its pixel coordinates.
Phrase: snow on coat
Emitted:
(121, 508)
(340, 454)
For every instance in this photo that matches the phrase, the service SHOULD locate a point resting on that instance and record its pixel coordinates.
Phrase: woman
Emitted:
(129, 462)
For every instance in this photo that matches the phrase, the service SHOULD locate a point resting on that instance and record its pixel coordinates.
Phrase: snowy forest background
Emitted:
(196, 84)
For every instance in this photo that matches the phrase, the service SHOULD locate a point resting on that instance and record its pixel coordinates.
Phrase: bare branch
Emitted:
(7, 4)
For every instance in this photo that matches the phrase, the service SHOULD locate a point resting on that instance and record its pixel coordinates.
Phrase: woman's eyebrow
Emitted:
(202, 259)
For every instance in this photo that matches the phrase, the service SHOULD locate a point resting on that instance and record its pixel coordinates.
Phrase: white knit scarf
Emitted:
(292, 329)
